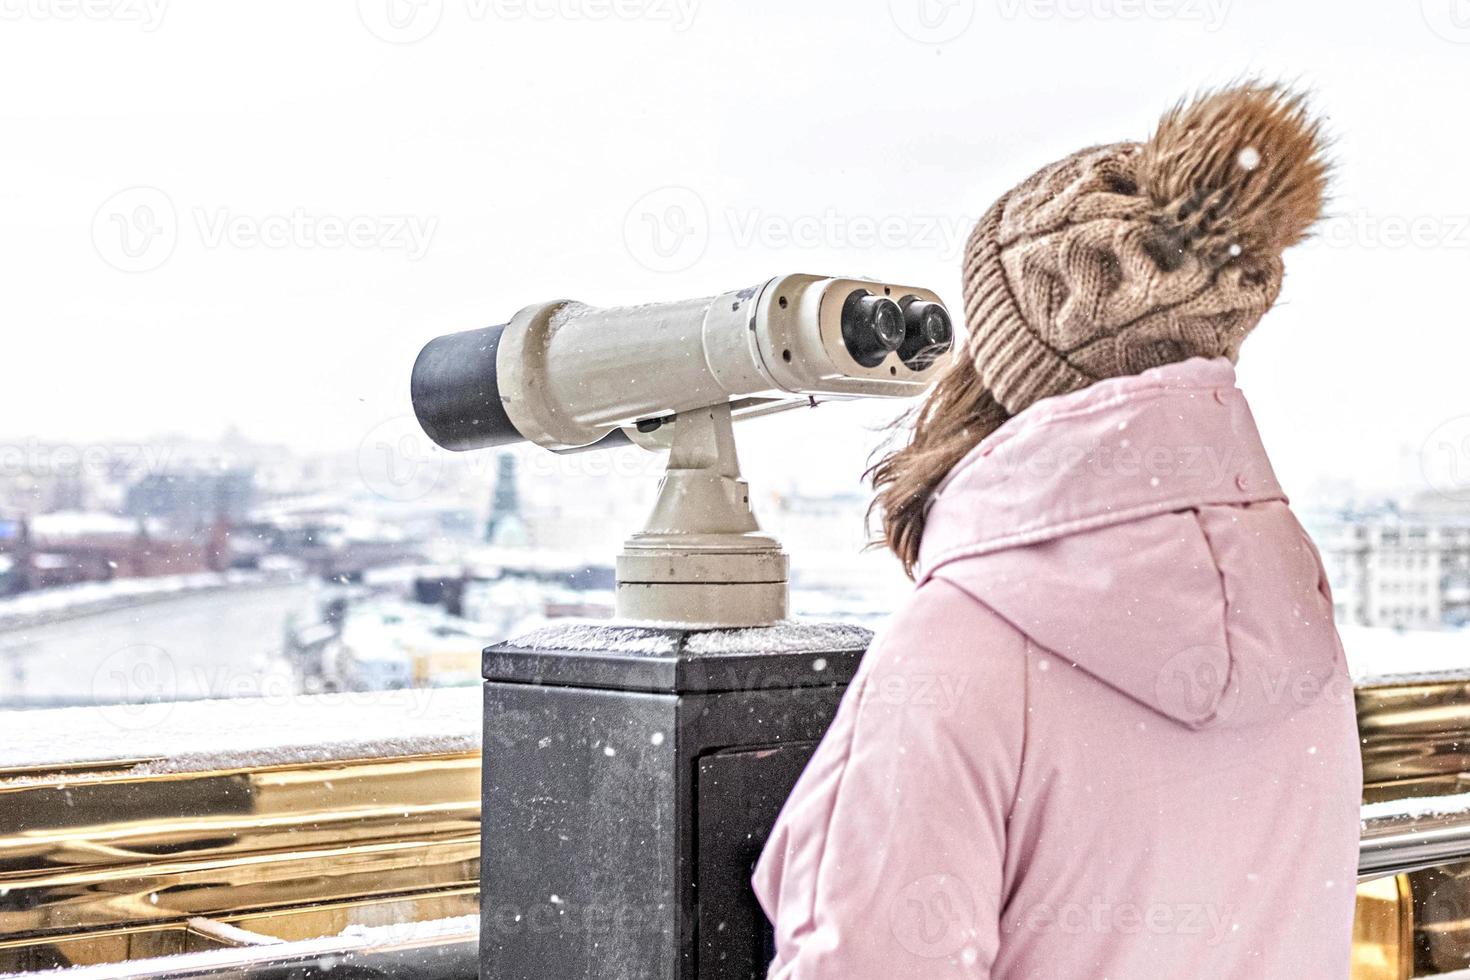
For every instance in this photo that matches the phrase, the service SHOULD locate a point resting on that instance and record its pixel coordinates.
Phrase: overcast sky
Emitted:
(255, 214)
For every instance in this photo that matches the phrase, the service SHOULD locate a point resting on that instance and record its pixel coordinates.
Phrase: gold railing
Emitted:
(110, 861)
(100, 864)
(1413, 919)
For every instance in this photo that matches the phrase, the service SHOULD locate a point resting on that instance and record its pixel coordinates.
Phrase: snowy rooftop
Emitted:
(78, 524)
(67, 600)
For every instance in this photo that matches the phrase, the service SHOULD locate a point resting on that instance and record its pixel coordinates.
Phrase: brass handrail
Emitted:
(451, 954)
(1410, 840)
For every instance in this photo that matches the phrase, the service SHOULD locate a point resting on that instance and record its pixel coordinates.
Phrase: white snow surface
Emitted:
(415, 932)
(226, 961)
(657, 639)
(1457, 676)
(1418, 808)
(348, 941)
(789, 636)
(192, 736)
(1386, 656)
(232, 934)
(595, 636)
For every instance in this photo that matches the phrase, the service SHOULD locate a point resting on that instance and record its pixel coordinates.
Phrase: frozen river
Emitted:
(225, 643)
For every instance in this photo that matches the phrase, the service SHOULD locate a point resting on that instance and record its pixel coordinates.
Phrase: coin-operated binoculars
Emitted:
(632, 771)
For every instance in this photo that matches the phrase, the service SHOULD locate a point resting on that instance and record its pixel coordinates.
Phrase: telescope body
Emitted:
(565, 375)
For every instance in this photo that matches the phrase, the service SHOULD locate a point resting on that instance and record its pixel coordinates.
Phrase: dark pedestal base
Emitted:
(631, 777)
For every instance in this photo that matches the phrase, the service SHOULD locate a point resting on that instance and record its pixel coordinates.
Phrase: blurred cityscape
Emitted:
(189, 569)
(1402, 565)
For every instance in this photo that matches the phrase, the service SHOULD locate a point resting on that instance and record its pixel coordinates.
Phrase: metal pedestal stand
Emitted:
(633, 771)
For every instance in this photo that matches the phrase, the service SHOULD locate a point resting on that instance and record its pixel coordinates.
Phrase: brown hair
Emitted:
(955, 415)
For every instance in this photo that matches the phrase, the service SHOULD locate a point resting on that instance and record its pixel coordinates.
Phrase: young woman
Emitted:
(1110, 734)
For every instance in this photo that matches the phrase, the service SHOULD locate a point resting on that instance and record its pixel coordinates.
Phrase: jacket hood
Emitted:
(1135, 529)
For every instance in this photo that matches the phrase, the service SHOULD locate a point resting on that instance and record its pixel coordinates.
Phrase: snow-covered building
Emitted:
(1404, 568)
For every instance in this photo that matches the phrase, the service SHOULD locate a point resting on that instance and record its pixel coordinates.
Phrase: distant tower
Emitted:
(505, 525)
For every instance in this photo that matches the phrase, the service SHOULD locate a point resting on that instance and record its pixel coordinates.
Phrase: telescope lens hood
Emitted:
(456, 394)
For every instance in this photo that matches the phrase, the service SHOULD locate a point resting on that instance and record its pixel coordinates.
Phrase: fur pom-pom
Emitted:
(1235, 175)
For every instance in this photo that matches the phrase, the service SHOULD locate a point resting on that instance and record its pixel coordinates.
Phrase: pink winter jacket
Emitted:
(1109, 735)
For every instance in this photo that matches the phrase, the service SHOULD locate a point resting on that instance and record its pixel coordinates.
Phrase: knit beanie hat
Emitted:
(1121, 258)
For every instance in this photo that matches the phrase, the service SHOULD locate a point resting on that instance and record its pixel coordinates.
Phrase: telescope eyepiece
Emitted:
(872, 327)
(928, 332)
